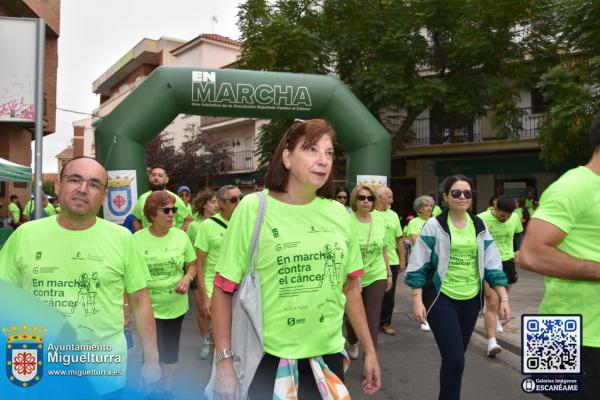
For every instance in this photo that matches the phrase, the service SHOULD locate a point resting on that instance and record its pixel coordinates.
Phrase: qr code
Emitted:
(551, 344)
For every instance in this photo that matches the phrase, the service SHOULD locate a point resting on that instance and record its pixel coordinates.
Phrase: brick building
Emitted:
(15, 138)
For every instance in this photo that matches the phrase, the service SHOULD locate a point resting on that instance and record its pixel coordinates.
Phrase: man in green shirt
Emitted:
(562, 243)
(208, 245)
(157, 180)
(506, 229)
(395, 252)
(80, 250)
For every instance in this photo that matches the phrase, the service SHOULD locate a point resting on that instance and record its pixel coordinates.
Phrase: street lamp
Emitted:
(207, 159)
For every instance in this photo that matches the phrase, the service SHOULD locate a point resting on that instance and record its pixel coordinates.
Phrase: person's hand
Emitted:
(504, 312)
(372, 381)
(150, 375)
(205, 306)
(419, 310)
(388, 284)
(516, 257)
(183, 285)
(227, 386)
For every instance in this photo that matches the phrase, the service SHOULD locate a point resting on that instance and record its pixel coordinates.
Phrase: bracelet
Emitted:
(504, 300)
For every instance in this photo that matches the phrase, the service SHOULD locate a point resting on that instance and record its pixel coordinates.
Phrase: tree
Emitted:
(461, 58)
(185, 165)
(571, 86)
(281, 36)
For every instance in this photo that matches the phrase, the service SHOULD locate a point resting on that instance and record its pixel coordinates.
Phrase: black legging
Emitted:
(372, 296)
(263, 385)
(452, 323)
(168, 332)
(387, 308)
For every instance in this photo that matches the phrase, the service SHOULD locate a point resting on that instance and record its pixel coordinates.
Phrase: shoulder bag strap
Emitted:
(219, 222)
(253, 254)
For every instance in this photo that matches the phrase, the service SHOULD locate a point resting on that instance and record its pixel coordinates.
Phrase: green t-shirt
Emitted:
(182, 210)
(503, 232)
(462, 280)
(393, 230)
(192, 230)
(305, 254)
(50, 210)
(165, 257)
(14, 212)
(83, 274)
(572, 204)
(436, 211)
(415, 226)
(373, 261)
(209, 240)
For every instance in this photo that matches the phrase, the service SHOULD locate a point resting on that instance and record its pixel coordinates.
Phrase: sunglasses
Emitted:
(362, 197)
(167, 210)
(456, 193)
(234, 199)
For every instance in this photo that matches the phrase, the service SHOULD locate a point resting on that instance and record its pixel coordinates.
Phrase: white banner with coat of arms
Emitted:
(121, 195)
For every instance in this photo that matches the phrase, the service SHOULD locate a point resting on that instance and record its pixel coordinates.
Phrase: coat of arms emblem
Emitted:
(24, 354)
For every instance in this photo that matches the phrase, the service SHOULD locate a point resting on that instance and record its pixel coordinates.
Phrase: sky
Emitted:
(95, 34)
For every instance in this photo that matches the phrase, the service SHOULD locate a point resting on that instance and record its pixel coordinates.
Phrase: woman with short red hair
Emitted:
(170, 257)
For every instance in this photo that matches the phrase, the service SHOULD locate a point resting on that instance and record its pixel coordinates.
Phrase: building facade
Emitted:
(15, 138)
(438, 146)
(204, 51)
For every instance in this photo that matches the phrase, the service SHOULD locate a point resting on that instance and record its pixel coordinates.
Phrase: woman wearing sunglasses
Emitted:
(455, 250)
(369, 229)
(308, 267)
(341, 196)
(170, 257)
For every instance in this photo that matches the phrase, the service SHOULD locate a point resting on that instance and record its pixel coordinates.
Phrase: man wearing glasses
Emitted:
(76, 242)
(157, 180)
(208, 246)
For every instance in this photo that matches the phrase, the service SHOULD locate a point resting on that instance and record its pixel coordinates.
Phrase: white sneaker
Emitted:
(353, 351)
(493, 348)
(425, 327)
(499, 327)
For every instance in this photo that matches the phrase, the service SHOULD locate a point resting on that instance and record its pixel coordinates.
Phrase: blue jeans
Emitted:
(452, 323)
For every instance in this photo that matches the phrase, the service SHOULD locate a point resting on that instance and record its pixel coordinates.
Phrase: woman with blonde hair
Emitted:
(369, 229)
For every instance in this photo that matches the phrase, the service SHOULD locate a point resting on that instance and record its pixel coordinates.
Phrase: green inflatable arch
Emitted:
(169, 91)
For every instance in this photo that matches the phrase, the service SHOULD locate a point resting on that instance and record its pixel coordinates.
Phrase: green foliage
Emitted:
(570, 87)
(48, 187)
(187, 165)
(268, 139)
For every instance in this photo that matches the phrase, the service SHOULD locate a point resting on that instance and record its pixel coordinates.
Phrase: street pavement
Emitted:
(409, 360)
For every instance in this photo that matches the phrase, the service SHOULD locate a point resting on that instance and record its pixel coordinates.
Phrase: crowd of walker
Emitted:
(328, 262)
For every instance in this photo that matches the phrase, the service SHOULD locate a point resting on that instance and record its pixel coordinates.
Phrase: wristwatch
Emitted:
(223, 355)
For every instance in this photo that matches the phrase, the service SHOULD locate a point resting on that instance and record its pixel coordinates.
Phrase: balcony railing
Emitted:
(442, 130)
(206, 121)
(242, 160)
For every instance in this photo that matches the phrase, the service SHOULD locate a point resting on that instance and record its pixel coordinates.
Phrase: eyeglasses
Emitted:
(455, 193)
(234, 199)
(362, 197)
(341, 197)
(167, 210)
(95, 185)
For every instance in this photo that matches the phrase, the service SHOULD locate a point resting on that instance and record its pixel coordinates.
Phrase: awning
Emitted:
(10, 171)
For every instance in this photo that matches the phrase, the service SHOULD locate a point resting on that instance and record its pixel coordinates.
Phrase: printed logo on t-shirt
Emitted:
(38, 255)
(275, 232)
(300, 273)
(78, 256)
(319, 229)
(69, 296)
